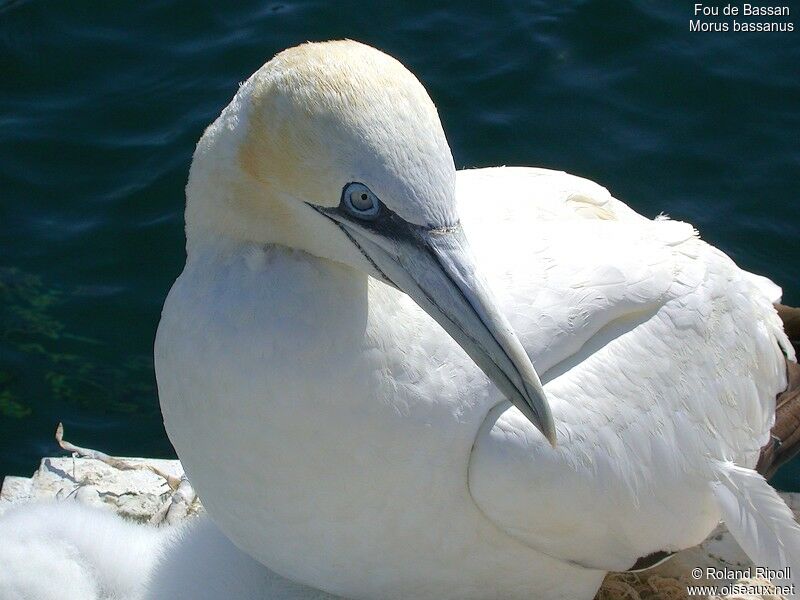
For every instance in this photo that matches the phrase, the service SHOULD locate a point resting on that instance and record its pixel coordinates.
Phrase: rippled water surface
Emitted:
(101, 104)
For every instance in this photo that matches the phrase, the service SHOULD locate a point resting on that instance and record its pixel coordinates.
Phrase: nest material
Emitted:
(641, 586)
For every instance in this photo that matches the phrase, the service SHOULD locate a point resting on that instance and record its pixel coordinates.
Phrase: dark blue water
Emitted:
(101, 104)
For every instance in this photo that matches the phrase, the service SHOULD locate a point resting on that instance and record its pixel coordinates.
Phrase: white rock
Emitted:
(135, 494)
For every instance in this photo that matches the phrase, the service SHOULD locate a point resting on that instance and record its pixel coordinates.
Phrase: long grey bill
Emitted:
(436, 269)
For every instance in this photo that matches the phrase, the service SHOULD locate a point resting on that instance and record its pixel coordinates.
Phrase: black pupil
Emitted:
(361, 200)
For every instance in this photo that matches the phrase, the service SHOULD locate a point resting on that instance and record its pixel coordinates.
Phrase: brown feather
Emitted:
(785, 442)
(791, 323)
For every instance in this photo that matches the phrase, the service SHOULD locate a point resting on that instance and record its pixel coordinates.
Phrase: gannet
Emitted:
(70, 551)
(347, 365)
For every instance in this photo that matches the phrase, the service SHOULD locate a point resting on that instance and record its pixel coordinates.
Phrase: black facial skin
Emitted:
(385, 222)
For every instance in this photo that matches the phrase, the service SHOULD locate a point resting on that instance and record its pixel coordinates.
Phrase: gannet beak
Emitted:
(436, 269)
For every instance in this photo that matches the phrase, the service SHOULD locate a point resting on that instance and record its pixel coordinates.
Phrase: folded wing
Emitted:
(660, 358)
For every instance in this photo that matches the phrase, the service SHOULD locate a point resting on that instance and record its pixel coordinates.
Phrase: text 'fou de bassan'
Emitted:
(703, 12)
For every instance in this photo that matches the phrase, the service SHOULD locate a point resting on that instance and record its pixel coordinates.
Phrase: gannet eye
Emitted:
(360, 201)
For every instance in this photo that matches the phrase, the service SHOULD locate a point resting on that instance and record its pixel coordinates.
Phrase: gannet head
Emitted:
(336, 149)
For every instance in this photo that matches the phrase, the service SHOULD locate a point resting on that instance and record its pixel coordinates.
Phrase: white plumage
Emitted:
(656, 349)
(372, 457)
(200, 563)
(338, 435)
(658, 353)
(759, 520)
(68, 551)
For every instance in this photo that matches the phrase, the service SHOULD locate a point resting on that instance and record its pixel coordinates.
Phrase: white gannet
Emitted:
(350, 399)
(69, 551)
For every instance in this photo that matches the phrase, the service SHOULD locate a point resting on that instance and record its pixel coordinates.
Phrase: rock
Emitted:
(139, 494)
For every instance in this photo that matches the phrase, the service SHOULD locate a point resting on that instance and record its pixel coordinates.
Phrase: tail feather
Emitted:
(758, 519)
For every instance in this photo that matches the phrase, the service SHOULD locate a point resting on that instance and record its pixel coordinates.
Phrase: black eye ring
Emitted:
(360, 201)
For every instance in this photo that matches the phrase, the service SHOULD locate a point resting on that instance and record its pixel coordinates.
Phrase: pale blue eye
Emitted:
(360, 200)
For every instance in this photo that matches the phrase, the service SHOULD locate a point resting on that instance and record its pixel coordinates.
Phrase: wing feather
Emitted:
(659, 355)
(758, 519)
